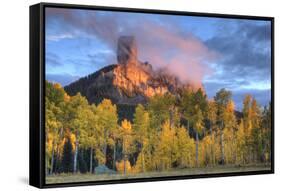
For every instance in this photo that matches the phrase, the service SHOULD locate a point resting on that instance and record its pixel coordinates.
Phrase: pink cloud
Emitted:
(163, 46)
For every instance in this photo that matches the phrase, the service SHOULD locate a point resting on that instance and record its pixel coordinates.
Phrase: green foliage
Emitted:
(161, 108)
(183, 131)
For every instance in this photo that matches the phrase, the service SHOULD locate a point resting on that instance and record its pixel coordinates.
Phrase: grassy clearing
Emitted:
(65, 178)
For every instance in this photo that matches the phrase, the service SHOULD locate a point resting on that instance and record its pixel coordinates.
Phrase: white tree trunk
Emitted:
(222, 143)
(142, 161)
(212, 145)
(124, 153)
(114, 156)
(75, 156)
(196, 151)
(53, 158)
(91, 160)
(124, 165)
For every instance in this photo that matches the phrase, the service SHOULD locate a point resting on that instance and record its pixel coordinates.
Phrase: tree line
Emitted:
(169, 132)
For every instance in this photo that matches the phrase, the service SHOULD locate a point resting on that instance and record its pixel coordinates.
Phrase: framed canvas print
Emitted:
(122, 95)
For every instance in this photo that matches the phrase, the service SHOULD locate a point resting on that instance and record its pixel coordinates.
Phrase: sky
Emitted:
(218, 52)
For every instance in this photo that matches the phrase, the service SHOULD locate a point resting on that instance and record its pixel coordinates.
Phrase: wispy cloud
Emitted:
(59, 37)
(160, 44)
(52, 59)
(64, 79)
(235, 53)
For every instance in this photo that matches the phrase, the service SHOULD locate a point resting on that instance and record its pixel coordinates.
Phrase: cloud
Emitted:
(244, 64)
(162, 45)
(59, 37)
(236, 54)
(53, 59)
(263, 96)
(244, 49)
(63, 79)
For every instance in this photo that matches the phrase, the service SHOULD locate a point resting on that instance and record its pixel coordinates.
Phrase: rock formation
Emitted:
(127, 50)
(129, 82)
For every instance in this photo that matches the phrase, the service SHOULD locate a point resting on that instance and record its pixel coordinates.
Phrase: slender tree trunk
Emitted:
(171, 118)
(233, 147)
(124, 165)
(105, 146)
(91, 160)
(222, 143)
(142, 161)
(124, 153)
(57, 151)
(46, 158)
(104, 152)
(46, 165)
(75, 154)
(114, 156)
(196, 151)
(212, 145)
(53, 158)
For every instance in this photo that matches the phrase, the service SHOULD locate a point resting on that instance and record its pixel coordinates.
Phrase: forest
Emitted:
(167, 133)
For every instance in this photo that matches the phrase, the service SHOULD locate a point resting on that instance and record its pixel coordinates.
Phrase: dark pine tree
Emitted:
(82, 164)
(67, 158)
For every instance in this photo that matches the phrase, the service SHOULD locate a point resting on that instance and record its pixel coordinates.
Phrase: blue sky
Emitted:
(220, 53)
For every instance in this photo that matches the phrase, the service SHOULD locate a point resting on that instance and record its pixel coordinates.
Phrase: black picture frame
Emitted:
(37, 93)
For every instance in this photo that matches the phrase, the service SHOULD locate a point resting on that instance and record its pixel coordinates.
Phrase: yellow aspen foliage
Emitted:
(49, 143)
(66, 97)
(168, 133)
(241, 144)
(57, 86)
(126, 126)
(205, 152)
(120, 166)
(72, 140)
(165, 148)
(126, 129)
(230, 146)
(185, 148)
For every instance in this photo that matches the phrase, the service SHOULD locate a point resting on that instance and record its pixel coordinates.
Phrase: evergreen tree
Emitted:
(67, 159)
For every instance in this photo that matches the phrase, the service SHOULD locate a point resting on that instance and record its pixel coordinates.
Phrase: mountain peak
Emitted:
(130, 81)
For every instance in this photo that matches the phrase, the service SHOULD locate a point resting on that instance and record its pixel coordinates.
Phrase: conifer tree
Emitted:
(67, 159)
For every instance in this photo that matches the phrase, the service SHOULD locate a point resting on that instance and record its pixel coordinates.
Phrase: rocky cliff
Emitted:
(130, 81)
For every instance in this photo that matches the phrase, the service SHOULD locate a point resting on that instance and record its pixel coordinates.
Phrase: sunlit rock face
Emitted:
(130, 81)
